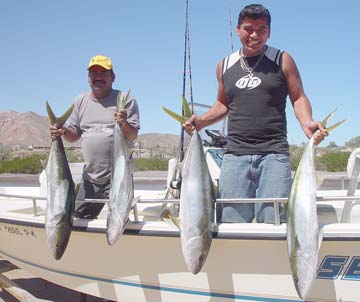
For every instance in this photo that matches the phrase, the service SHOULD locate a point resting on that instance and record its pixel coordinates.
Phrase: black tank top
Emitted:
(257, 118)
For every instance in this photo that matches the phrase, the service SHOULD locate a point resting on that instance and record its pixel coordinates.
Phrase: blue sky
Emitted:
(46, 46)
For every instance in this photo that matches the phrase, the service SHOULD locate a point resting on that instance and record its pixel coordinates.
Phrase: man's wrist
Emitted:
(307, 124)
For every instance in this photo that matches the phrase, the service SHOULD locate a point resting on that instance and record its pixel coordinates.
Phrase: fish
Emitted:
(60, 203)
(303, 233)
(197, 199)
(121, 183)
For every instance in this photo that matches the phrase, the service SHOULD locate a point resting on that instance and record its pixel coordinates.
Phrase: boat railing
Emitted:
(349, 202)
(345, 217)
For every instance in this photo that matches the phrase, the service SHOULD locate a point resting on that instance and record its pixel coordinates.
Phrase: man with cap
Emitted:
(92, 120)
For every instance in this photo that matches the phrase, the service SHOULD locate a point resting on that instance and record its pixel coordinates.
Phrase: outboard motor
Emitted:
(217, 139)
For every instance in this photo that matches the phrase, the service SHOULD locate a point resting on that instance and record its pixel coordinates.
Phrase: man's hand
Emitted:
(56, 132)
(191, 124)
(121, 117)
(314, 128)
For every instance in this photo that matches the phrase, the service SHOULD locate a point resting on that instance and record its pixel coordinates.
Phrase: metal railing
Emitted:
(349, 202)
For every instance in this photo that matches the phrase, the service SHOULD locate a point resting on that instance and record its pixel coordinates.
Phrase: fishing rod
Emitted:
(186, 40)
(230, 25)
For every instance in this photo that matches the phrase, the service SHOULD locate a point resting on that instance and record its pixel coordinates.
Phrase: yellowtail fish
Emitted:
(121, 188)
(303, 236)
(60, 204)
(197, 199)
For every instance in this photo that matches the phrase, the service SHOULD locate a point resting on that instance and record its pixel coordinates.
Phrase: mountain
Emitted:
(23, 129)
(159, 140)
(30, 129)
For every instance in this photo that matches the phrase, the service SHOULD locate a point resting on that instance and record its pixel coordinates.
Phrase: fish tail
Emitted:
(186, 112)
(174, 115)
(328, 118)
(62, 119)
(186, 108)
(51, 115)
(332, 127)
(121, 102)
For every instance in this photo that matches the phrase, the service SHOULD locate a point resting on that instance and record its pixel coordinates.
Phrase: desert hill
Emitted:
(30, 129)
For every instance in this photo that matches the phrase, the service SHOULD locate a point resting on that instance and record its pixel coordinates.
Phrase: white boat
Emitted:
(246, 262)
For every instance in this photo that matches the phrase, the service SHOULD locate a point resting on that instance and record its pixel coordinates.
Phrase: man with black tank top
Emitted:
(93, 119)
(253, 84)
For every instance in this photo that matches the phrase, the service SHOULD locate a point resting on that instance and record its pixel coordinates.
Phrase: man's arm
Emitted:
(216, 113)
(300, 102)
(130, 132)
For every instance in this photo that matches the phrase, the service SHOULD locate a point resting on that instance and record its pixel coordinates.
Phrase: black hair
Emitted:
(254, 11)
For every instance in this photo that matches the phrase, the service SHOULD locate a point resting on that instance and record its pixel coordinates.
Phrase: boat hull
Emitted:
(146, 263)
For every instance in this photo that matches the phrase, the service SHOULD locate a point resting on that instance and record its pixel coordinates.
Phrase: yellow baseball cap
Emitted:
(100, 60)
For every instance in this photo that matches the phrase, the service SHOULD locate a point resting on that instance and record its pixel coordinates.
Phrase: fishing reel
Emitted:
(217, 139)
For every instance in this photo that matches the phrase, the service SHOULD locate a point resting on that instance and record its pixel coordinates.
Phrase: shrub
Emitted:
(29, 165)
(333, 162)
(151, 164)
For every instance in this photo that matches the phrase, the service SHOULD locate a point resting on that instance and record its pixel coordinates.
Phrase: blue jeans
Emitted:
(253, 176)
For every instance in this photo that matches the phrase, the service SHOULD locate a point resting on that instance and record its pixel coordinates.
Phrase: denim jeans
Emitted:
(91, 191)
(253, 176)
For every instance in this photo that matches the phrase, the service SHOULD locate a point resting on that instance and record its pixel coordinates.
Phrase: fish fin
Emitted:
(321, 235)
(129, 151)
(319, 180)
(171, 220)
(135, 201)
(174, 115)
(297, 243)
(77, 189)
(62, 119)
(43, 163)
(186, 108)
(332, 127)
(121, 102)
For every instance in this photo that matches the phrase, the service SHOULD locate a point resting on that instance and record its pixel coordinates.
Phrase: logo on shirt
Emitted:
(248, 82)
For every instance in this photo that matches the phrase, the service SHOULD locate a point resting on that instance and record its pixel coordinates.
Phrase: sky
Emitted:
(46, 47)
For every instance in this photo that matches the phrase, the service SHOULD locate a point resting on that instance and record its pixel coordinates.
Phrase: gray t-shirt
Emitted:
(93, 119)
